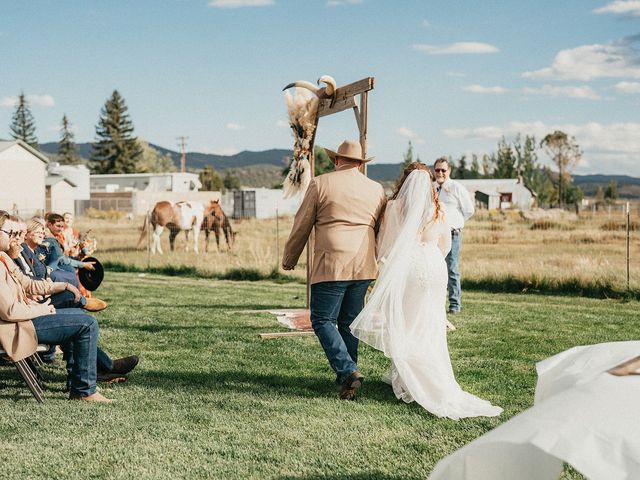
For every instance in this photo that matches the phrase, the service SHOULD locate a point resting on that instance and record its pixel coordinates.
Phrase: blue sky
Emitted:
(451, 76)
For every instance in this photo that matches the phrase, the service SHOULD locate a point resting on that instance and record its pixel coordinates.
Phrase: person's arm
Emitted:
(11, 310)
(38, 287)
(303, 223)
(66, 260)
(465, 202)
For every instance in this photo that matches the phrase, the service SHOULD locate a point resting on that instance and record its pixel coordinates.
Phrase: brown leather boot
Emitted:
(95, 305)
(96, 397)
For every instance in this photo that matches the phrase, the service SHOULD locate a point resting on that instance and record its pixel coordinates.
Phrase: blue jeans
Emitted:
(104, 361)
(77, 333)
(453, 266)
(60, 275)
(334, 305)
(64, 299)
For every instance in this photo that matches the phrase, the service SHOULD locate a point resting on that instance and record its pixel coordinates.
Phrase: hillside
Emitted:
(263, 169)
(197, 161)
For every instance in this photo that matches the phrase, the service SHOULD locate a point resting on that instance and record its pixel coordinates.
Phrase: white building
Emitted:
(23, 170)
(259, 203)
(60, 195)
(145, 182)
(79, 176)
(500, 193)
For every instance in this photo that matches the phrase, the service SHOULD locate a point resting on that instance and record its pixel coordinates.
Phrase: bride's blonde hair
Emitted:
(419, 166)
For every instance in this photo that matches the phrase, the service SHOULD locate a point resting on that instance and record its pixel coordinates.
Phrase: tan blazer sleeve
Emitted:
(11, 309)
(303, 223)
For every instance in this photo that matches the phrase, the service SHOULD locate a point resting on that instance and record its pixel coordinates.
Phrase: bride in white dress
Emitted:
(405, 316)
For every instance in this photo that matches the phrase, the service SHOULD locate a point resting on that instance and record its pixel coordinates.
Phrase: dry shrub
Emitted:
(104, 214)
(551, 225)
(612, 226)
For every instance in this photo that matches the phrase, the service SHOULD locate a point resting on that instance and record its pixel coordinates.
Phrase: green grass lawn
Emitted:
(210, 399)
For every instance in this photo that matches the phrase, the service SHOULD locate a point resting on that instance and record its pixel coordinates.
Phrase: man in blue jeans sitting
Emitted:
(344, 207)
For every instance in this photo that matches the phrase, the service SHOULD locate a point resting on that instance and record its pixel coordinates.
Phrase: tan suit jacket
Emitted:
(17, 334)
(344, 207)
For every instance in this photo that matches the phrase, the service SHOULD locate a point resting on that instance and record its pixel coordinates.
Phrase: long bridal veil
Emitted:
(405, 316)
(404, 219)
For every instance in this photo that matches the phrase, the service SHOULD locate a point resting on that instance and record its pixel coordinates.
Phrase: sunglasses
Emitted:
(11, 233)
(441, 170)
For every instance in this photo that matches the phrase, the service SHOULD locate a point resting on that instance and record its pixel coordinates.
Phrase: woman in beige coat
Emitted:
(24, 323)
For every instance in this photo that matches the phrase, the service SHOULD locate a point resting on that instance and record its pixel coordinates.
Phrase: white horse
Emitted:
(179, 216)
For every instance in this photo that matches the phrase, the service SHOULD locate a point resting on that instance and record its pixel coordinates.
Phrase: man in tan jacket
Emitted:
(344, 206)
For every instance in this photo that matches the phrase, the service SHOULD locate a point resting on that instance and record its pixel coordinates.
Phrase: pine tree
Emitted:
(116, 150)
(66, 146)
(407, 158)
(23, 126)
(474, 171)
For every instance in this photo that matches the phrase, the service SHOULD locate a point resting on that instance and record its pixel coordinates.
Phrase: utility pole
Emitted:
(183, 153)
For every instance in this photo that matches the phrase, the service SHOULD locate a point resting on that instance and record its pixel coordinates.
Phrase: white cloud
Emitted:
(409, 135)
(425, 23)
(583, 91)
(628, 87)
(456, 74)
(33, 100)
(481, 89)
(239, 3)
(234, 126)
(608, 148)
(455, 48)
(337, 3)
(621, 7)
(587, 62)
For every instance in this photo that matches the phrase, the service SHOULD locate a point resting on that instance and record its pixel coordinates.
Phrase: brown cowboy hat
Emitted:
(348, 149)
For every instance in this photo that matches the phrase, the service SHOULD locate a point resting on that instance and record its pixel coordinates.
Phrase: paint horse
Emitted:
(176, 217)
(216, 220)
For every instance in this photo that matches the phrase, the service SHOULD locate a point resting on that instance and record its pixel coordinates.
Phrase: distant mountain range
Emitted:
(263, 169)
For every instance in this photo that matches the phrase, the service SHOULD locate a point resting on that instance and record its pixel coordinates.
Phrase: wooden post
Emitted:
(628, 245)
(343, 99)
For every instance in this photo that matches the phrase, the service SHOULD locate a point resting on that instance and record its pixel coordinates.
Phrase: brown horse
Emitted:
(216, 220)
(180, 216)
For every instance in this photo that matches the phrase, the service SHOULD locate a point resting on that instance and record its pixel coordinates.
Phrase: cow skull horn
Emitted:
(303, 84)
(330, 89)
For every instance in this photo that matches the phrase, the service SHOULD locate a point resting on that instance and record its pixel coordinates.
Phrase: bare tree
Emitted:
(566, 154)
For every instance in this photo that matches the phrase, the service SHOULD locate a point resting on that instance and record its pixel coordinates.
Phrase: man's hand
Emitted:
(51, 308)
(76, 293)
(89, 266)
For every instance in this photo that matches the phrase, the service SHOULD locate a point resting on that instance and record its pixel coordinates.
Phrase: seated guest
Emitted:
(53, 250)
(30, 256)
(24, 323)
(70, 234)
(108, 369)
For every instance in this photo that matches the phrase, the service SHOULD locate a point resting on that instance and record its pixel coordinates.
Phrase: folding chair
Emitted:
(29, 370)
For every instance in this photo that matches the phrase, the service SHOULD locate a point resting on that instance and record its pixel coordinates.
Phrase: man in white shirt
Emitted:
(457, 205)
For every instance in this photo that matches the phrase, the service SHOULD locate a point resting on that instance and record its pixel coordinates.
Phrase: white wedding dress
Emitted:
(405, 316)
